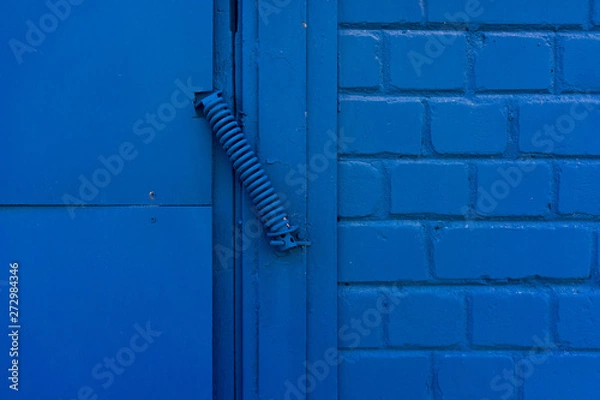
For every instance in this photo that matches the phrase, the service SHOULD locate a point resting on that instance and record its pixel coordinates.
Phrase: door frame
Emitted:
(225, 213)
(285, 94)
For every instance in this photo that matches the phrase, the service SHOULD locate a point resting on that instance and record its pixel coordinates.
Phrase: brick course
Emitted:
(472, 191)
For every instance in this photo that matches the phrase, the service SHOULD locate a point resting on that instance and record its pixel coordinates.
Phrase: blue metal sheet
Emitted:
(93, 293)
(96, 102)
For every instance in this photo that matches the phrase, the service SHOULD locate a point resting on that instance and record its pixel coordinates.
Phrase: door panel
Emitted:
(96, 290)
(105, 199)
(97, 102)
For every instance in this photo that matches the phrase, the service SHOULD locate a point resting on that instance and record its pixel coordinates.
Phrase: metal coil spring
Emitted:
(250, 171)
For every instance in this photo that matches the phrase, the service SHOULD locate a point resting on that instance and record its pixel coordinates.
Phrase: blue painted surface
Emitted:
(424, 187)
(509, 318)
(514, 188)
(411, 69)
(321, 324)
(508, 12)
(427, 318)
(528, 57)
(363, 74)
(281, 100)
(106, 200)
(568, 376)
(468, 128)
(99, 111)
(359, 188)
(456, 268)
(565, 128)
(386, 117)
(225, 253)
(579, 318)
(362, 376)
(468, 217)
(580, 53)
(579, 190)
(367, 252)
(117, 302)
(462, 376)
(534, 250)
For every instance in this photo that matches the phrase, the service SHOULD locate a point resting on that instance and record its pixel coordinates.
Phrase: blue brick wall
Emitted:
(484, 127)
(469, 199)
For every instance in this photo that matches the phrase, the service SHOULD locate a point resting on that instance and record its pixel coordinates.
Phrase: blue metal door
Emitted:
(105, 206)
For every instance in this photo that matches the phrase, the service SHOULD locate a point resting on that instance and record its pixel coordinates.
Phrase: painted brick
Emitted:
(359, 63)
(354, 11)
(460, 127)
(428, 60)
(360, 189)
(581, 55)
(360, 318)
(378, 125)
(579, 319)
(364, 252)
(508, 12)
(565, 128)
(408, 91)
(516, 251)
(561, 377)
(425, 319)
(429, 187)
(366, 375)
(514, 188)
(513, 62)
(509, 318)
(579, 188)
(468, 376)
